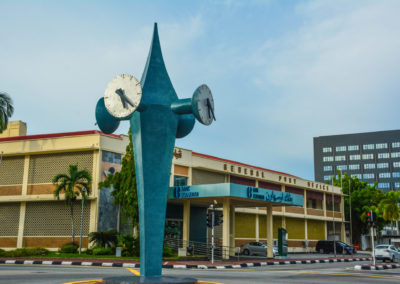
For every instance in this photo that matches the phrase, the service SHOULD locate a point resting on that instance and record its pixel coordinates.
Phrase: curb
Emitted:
(191, 266)
(376, 267)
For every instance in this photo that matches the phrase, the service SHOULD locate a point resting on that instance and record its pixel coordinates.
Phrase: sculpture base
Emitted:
(147, 280)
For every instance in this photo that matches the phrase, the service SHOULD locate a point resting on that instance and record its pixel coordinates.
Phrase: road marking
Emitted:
(334, 274)
(86, 282)
(206, 282)
(137, 273)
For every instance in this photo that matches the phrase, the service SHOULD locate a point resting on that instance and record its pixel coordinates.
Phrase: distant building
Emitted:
(371, 156)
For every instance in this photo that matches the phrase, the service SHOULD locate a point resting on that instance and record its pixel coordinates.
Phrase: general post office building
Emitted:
(255, 201)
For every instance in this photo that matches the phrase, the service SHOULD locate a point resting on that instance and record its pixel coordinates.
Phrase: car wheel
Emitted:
(246, 252)
(392, 258)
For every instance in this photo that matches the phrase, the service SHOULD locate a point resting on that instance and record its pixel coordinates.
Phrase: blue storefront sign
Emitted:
(235, 190)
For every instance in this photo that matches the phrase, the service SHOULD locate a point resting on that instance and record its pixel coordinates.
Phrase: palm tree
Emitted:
(390, 208)
(72, 185)
(6, 110)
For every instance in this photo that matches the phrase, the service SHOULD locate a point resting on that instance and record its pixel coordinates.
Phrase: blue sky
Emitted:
(281, 72)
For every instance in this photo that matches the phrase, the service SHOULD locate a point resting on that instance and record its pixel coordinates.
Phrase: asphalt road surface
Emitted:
(306, 273)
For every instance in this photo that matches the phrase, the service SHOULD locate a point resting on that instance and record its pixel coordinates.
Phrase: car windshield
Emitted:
(382, 247)
(341, 243)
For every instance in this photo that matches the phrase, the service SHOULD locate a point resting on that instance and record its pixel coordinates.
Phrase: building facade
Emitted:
(31, 216)
(372, 157)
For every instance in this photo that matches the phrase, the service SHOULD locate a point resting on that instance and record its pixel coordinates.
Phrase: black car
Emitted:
(327, 247)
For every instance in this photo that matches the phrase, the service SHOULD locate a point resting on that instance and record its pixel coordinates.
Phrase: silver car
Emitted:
(387, 252)
(257, 248)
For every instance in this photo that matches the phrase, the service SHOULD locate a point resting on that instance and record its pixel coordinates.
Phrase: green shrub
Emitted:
(104, 238)
(3, 252)
(21, 252)
(69, 248)
(130, 245)
(102, 251)
(167, 251)
(89, 251)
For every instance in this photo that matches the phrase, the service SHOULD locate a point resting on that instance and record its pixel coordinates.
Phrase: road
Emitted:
(307, 273)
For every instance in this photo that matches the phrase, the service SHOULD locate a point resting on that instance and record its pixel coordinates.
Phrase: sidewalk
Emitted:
(174, 264)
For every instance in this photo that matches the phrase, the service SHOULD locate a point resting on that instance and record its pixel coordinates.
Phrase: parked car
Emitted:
(257, 248)
(327, 247)
(387, 252)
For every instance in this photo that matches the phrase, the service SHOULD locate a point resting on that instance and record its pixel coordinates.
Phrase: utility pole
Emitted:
(351, 224)
(212, 232)
(333, 220)
(83, 203)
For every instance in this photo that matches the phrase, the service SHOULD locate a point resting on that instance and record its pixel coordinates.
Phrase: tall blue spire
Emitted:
(155, 81)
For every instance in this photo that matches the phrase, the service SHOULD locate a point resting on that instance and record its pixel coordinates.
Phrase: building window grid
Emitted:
(341, 167)
(395, 155)
(395, 174)
(384, 175)
(327, 159)
(381, 146)
(369, 176)
(382, 185)
(327, 168)
(352, 148)
(340, 158)
(369, 166)
(340, 148)
(327, 150)
(355, 157)
(396, 164)
(368, 146)
(383, 155)
(382, 165)
(359, 176)
(354, 167)
(368, 156)
(395, 144)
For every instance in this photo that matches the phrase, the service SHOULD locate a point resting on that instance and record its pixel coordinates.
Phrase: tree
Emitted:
(389, 207)
(124, 186)
(6, 110)
(72, 185)
(364, 197)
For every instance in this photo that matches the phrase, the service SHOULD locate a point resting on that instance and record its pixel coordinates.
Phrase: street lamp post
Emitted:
(83, 203)
(351, 225)
(333, 221)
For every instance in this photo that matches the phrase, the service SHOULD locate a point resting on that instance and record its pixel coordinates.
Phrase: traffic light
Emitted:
(209, 220)
(371, 218)
(218, 218)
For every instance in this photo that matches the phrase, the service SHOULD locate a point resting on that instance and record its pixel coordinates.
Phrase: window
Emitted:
(342, 167)
(368, 176)
(327, 168)
(356, 175)
(340, 148)
(328, 159)
(381, 146)
(327, 177)
(396, 145)
(340, 158)
(352, 148)
(384, 185)
(368, 147)
(397, 184)
(382, 165)
(354, 167)
(383, 155)
(327, 149)
(111, 157)
(369, 166)
(384, 175)
(368, 156)
(396, 174)
(354, 157)
(396, 164)
(180, 181)
(395, 154)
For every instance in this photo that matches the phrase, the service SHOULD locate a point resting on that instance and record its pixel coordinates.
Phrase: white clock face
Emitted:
(205, 105)
(123, 95)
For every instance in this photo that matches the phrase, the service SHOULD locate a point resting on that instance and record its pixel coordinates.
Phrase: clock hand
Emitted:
(210, 109)
(121, 95)
(124, 98)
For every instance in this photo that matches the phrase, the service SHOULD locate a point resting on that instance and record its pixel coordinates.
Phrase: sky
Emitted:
(281, 72)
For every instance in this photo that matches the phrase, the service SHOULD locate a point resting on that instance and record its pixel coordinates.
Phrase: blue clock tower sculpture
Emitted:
(156, 118)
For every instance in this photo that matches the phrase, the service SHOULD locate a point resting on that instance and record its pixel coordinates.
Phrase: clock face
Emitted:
(122, 96)
(203, 105)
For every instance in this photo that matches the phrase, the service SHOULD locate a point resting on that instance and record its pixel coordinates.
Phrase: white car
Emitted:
(387, 252)
(257, 248)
